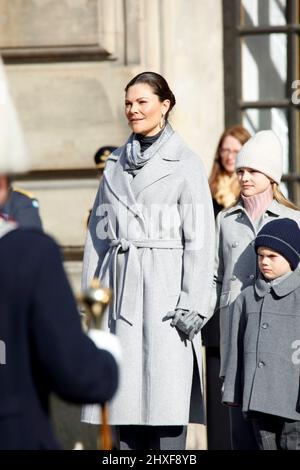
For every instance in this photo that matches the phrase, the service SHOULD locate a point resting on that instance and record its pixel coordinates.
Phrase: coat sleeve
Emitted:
(198, 232)
(67, 359)
(95, 246)
(233, 367)
(218, 269)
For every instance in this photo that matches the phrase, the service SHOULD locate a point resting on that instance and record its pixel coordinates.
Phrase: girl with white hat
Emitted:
(259, 168)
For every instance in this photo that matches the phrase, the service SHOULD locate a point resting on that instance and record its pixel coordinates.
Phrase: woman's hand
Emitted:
(189, 322)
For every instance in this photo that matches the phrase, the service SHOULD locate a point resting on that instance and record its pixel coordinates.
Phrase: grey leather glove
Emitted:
(189, 322)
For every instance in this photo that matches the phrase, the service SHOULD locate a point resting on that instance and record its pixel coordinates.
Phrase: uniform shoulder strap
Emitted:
(24, 193)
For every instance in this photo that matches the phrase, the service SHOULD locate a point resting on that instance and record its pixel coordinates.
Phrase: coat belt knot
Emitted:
(122, 243)
(129, 248)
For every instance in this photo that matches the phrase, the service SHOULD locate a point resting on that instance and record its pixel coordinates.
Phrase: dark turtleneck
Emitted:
(147, 141)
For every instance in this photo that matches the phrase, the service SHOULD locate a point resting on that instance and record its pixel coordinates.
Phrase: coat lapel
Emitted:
(118, 182)
(161, 165)
(262, 287)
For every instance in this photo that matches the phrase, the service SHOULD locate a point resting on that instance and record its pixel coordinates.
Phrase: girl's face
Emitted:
(229, 149)
(252, 182)
(144, 110)
(271, 263)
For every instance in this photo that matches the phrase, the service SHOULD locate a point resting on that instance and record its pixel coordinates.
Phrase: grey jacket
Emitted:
(151, 239)
(235, 260)
(263, 369)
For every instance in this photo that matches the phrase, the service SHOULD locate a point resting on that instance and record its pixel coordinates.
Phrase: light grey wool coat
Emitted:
(263, 369)
(236, 261)
(151, 239)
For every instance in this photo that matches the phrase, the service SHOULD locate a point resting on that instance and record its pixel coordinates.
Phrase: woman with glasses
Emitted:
(223, 181)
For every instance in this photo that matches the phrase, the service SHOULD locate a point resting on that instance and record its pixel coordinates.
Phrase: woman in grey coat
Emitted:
(151, 239)
(259, 167)
(263, 369)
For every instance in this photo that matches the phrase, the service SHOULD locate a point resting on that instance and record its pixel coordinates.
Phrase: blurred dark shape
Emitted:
(46, 349)
(102, 155)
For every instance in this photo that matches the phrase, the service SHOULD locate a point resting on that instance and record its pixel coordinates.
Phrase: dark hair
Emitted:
(158, 84)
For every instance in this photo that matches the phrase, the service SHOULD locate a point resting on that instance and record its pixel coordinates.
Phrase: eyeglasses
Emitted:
(227, 152)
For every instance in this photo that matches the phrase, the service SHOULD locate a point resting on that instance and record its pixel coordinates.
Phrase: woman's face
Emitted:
(144, 110)
(229, 149)
(252, 182)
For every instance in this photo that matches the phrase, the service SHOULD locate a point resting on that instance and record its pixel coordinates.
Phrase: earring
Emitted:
(162, 122)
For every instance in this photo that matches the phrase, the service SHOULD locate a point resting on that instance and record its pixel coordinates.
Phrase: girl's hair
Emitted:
(279, 197)
(159, 86)
(242, 135)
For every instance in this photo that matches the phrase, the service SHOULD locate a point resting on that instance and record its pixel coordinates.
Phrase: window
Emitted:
(262, 74)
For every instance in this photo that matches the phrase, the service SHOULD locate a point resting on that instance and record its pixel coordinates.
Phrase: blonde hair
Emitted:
(218, 173)
(281, 199)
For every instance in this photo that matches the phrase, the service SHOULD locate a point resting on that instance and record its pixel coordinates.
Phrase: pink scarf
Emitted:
(256, 205)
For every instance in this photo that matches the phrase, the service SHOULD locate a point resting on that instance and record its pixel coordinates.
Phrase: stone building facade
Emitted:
(68, 62)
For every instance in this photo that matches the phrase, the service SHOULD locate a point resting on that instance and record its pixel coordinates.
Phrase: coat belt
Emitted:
(132, 273)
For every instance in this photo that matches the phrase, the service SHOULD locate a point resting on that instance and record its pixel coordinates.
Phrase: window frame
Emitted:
(233, 33)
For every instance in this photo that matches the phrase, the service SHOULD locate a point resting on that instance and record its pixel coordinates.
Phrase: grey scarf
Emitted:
(135, 159)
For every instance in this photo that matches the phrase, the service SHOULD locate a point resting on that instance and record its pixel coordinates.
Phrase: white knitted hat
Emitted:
(13, 151)
(263, 153)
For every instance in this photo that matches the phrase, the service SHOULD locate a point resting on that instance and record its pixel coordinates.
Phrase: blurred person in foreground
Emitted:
(42, 346)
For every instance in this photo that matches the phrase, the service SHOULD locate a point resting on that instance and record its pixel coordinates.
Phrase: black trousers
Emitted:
(275, 433)
(134, 437)
(242, 432)
(217, 415)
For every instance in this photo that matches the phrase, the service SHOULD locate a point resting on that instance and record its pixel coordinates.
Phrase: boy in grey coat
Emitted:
(263, 367)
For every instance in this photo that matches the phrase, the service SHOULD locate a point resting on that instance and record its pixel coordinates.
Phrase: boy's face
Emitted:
(271, 263)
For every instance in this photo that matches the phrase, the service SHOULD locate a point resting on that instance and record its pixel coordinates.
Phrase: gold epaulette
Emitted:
(102, 159)
(25, 193)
